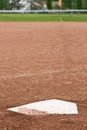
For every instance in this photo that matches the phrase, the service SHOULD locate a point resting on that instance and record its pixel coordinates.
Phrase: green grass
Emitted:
(43, 17)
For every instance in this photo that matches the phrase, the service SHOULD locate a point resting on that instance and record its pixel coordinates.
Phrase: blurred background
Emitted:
(42, 4)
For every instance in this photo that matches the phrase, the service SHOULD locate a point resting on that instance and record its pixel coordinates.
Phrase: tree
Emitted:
(66, 4)
(49, 4)
(72, 4)
(79, 4)
(4, 4)
(15, 4)
(85, 4)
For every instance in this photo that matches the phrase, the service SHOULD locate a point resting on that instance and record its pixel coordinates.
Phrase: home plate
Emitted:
(52, 106)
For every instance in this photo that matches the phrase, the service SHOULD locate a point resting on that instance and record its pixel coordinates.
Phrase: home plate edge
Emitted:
(52, 106)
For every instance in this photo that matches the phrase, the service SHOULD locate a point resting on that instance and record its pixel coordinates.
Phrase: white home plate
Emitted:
(53, 106)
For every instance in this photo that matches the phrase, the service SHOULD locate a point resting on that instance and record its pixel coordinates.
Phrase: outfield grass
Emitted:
(44, 17)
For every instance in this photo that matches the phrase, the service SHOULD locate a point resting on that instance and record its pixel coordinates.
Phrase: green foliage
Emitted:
(79, 4)
(49, 4)
(66, 4)
(15, 4)
(4, 4)
(72, 4)
(85, 4)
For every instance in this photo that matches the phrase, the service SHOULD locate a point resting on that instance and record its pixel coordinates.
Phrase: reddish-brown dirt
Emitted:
(40, 61)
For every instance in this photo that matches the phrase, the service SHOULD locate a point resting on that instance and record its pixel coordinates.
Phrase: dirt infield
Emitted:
(40, 61)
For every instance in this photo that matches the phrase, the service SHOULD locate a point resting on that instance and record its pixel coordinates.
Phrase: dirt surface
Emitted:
(41, 61)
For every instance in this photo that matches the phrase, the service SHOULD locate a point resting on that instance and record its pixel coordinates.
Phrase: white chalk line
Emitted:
(61, 19)
(39, 73)
(29, 74)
